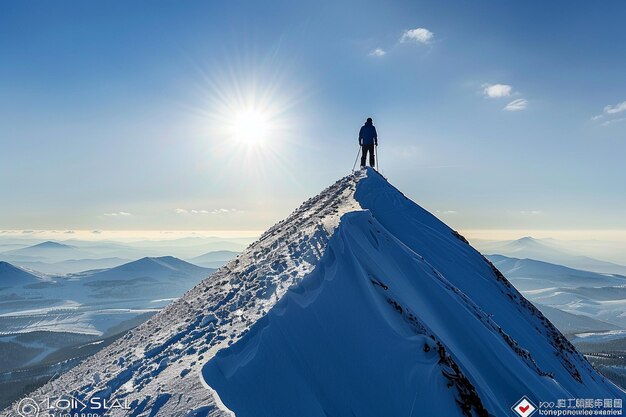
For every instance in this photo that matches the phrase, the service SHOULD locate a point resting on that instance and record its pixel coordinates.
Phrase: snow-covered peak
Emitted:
(359, 303)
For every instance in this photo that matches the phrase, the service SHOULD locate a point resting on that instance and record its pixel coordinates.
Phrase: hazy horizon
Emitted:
(479, 234)
(607, 245)
(616, 236)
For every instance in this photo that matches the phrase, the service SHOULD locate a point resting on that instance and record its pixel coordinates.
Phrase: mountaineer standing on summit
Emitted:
(368, 139)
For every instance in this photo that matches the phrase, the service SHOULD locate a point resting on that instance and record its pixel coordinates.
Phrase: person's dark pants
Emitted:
(365, 149)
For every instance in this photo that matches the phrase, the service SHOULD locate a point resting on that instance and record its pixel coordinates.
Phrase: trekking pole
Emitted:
(357, 158)
(376, 154)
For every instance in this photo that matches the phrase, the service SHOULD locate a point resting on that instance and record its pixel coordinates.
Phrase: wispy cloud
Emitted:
(516, 105)
(378, 52)
(446, 211)
(497, 90)
(218, 211)
(96, 232)
(531, 212)
(118, 213)
(610, 112)
(617, 108)
(204, 211)
(610, 122)
(417, 35)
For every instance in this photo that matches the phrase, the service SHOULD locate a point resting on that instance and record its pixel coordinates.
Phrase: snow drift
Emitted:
(361, 303)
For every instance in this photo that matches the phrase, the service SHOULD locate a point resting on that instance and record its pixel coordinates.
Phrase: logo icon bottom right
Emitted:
(524, 407)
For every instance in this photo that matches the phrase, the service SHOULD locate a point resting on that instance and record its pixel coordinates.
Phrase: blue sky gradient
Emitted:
(110, 112)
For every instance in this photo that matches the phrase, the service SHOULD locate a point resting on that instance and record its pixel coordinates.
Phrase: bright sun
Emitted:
(250, 127)
(248, 120)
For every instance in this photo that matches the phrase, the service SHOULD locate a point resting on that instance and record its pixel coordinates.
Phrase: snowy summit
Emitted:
(360, 303)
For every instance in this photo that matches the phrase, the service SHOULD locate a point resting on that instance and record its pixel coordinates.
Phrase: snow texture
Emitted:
(360, 303)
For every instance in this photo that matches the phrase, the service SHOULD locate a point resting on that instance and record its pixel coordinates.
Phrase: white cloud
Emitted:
(378, 52)
(204, 211)
(532, 212)
(516, 105)
(418, 35)
(504, 90)
(617, 108)
(118, 213)
(497, 90)
(446, 211)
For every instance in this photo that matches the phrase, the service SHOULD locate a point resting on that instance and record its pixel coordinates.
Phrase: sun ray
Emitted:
(245, 115)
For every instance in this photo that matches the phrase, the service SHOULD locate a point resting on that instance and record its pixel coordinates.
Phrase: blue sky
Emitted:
(119, 115)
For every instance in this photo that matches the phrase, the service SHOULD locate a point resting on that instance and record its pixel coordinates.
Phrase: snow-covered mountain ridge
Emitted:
(359, 303)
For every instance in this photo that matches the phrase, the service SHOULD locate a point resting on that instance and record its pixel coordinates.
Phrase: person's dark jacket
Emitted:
(368, 135)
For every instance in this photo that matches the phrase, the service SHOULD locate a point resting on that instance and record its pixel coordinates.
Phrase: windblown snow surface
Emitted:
(360, 303)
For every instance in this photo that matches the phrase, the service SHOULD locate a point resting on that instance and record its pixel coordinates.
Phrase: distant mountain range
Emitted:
(214, 259)
(92, 301)
(530, 274)
(164, 269)
(71, 265)
(46, 251)
(549, 251)
(55, 258)
(58, 258)
(588, 295)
